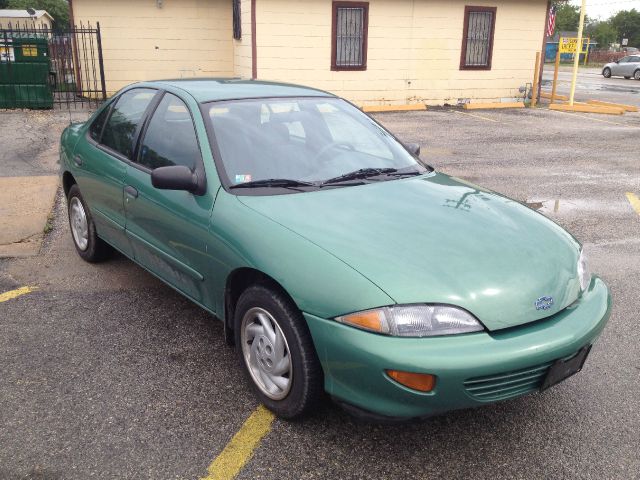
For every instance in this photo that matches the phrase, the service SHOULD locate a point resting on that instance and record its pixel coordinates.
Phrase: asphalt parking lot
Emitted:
(591, 85)
(106, 372)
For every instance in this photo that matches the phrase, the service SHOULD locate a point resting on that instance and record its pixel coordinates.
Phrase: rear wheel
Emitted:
(83, 231)
(275, 348)
(606, 72)
(636, 74)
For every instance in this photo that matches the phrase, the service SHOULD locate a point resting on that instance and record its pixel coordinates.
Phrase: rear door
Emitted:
(102, 162)
(168, 228)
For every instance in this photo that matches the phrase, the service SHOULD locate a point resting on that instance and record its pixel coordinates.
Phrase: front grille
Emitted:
(507, 385)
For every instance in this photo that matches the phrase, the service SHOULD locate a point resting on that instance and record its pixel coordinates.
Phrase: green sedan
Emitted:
(336, 259)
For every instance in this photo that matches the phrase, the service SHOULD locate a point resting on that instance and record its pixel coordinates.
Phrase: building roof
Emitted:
(215, 89)
(23, 14)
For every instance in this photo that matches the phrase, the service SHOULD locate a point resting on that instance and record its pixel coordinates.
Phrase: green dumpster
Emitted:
(24, 72)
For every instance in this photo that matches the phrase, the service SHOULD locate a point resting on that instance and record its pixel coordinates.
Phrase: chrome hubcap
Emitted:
(78, 221)
(266, 353)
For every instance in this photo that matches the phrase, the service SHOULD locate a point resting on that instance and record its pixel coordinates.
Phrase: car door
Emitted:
(168, 228)
(101, 162)
(626, 67)
(618, 67)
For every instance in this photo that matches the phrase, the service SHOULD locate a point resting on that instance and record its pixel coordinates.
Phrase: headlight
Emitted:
(414, 321)
(584, 275)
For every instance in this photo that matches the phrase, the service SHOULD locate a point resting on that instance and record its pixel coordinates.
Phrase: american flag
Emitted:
(551, 26)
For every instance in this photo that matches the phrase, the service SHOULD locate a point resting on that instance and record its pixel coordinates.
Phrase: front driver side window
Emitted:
(171, 137)
(126, 115)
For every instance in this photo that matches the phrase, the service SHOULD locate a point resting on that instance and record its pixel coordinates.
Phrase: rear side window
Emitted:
(170, 138)
(126, 115)
(96, 127)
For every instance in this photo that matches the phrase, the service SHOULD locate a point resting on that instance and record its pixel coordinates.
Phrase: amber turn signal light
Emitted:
(371, 320)
(423, 382)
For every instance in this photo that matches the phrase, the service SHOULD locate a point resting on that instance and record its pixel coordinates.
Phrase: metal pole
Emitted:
(554, 88)
(100, 62)
(576, 58)
(534, 94)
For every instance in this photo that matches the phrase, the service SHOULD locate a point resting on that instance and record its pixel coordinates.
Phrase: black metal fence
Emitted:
(44, 68)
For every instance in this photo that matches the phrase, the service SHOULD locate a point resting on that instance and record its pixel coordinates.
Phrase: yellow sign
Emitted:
(29, 51)
(6, 54)
(570, 45)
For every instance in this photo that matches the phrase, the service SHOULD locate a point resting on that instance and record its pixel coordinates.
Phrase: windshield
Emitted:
(309, 141)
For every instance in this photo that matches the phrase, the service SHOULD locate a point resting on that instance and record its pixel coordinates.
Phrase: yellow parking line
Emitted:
(475, 115)
(11, 294)
(240, 449)
(594, 119)
(634, 201)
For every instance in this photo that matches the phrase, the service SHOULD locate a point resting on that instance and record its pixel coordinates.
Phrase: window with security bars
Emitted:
(477, 39)
(349, 35)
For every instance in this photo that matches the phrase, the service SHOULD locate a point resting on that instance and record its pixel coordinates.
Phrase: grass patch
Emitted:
(48, 226)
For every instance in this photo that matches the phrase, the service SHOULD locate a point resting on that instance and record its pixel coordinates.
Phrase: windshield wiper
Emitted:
(274, 183)
(360, 174)
(410, 173)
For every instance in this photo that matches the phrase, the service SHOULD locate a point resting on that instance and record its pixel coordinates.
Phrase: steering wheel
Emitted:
(330, 146)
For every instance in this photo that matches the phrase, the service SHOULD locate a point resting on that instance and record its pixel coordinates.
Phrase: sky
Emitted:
(605, 8)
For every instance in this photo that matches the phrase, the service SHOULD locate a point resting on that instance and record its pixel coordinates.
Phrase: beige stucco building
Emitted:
(22, 19)
(373, 53)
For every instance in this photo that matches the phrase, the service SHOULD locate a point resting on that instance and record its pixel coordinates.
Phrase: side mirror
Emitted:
(175, 177)
(413, 148)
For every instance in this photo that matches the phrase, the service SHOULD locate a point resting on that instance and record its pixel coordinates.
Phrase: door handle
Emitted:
(131, 191)
(77, 160)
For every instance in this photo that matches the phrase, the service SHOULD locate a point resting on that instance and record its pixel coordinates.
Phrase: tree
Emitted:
(567, 17)
(602, 32)
(58, 9)
(627, 24)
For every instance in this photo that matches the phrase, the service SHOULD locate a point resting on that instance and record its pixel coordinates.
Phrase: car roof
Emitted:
(215, 89)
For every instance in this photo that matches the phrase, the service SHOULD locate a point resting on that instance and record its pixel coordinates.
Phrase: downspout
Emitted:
(254, 45)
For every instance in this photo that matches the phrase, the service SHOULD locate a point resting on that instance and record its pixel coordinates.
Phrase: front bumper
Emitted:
(472, 369)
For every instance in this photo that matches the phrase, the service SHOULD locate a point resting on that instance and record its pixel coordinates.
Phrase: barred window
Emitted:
(477, 39)
(350, 26)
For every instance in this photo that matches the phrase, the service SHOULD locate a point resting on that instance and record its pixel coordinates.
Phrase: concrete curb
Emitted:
(25, 206)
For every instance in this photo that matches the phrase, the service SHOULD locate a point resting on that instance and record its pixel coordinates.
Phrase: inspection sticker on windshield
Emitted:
(243, 178)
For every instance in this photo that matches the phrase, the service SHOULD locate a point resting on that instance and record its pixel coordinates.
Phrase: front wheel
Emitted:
(636, 75)
(606, 73)
(83, 231)
(275, 348)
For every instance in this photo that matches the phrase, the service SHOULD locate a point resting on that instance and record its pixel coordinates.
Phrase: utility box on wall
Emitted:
(25, 72)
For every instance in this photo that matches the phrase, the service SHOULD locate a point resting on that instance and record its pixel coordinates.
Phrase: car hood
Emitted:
(438, 239)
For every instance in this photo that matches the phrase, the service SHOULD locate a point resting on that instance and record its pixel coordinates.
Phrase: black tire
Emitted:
(307, 379)
(636, 74)
(96, 250)
(606, 73)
